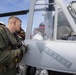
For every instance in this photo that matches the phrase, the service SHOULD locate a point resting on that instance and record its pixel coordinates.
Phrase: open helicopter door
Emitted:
(57, 55)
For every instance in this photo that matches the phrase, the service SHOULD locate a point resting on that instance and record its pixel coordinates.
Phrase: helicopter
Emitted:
(52, 53)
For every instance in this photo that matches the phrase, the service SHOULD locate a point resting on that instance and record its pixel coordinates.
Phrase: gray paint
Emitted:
(53, 54)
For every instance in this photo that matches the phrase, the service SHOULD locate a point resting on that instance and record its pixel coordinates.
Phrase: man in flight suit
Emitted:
(11, 48)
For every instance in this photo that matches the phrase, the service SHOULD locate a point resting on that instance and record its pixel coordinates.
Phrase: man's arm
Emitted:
(7, 55)
(4, 55)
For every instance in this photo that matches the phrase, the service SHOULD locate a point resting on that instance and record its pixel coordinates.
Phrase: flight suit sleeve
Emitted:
(7, 55)
(4, 55)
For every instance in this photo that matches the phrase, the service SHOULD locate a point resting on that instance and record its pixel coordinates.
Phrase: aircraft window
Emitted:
(64, 30)
(42, 24)
(38, 29)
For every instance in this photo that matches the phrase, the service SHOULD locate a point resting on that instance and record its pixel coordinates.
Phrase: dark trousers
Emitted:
(30, 70)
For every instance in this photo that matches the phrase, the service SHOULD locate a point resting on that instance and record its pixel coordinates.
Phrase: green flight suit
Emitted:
(7, 55)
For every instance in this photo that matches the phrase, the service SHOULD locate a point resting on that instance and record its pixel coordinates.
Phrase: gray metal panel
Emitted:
(52, 55)
(30, 19)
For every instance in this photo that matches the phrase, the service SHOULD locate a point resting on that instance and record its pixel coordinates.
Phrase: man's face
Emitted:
(18, 25)
(42, 29)
(35, 31)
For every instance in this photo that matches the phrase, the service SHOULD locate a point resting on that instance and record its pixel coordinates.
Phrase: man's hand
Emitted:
(24, 48)
(15, 53)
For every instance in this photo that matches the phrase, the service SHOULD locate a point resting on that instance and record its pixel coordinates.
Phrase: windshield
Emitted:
(21, 5)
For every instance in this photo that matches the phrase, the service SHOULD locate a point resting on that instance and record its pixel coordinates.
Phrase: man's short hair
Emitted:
(13, 17)
(42, 24)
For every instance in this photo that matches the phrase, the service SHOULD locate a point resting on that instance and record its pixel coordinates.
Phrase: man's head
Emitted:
(42, 28)
(14, 24)
(35, 31)
(22, 34)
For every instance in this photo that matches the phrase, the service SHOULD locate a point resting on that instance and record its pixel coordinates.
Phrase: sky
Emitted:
(16, 5)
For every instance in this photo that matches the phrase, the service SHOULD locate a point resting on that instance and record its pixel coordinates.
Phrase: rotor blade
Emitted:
(14, 13)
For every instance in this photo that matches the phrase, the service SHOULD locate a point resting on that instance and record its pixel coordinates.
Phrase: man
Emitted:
(38, 35)
(22, 66)
(11, 48)
(21, 34)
